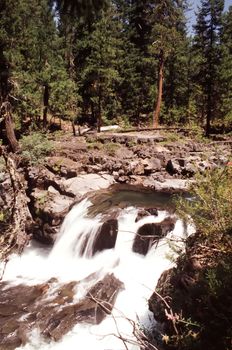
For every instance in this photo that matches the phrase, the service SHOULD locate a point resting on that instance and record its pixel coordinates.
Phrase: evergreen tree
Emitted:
(177, 96)
(97, 62)
(226, 69)
(138, 65)
(34, 54)
(208, 49)
(168, 19)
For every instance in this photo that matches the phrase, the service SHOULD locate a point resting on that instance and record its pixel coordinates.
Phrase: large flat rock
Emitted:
(167, 185)
(83, 184)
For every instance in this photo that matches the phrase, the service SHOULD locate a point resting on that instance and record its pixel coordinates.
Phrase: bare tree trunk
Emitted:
(5, 106)
(9, 125)
(46, 102)
(160, 91)
(16, 236)
(99, 119)
(73, 128)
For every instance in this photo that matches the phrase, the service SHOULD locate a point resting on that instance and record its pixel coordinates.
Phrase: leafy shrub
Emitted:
(211, 206)
(35, 147)
(211, 211)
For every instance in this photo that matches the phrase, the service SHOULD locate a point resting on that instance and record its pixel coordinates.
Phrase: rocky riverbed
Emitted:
(153, 162)
(156, 161)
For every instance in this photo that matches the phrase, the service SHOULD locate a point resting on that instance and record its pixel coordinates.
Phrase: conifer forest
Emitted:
(115, 174)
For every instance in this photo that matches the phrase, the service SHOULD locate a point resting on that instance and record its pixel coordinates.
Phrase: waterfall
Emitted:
(72, 259)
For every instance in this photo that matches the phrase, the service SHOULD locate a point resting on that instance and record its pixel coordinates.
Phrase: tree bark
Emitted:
(73, 128)
(7, 114)
(160, 91)
(46, 103)
(16, 237)
(99, 119)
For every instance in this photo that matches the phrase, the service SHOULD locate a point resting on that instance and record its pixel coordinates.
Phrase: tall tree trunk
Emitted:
(160, 91)
(5, 106)
(209, 82)
(99, 119)
(9, 125)
(208, 111)
(17, 237)
(46, 103)
(73, 128)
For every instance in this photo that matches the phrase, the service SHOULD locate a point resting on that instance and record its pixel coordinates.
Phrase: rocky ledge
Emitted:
(156, 161)
(50, 307)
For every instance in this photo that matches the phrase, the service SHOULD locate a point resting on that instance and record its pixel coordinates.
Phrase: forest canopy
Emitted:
(119, 61)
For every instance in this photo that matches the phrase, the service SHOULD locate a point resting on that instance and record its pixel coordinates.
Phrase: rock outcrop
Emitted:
(149, 234)
(23, 308)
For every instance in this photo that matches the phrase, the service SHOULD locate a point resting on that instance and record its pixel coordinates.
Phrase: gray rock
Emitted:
(83, 184)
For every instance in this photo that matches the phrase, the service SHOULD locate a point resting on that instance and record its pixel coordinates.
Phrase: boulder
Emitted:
(143, 213)
(106, 236)
(49, 208)
(151, 165)
(149, 234)
(173, 167)
(83, 184)
(23, 308)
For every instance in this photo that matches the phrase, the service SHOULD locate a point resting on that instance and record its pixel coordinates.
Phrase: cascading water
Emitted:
(72, 259)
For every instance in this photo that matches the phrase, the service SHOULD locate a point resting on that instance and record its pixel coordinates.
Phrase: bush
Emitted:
(35, 147)
(211, 205)
(211, 210)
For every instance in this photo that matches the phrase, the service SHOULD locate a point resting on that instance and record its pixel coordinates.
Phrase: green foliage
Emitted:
(35, 147)
(111, 148)
(95, 145)
(105, 66)
(211, 205)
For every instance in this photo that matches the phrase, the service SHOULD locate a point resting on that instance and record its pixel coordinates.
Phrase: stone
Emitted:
(148, 234)
(172, 185)
(106, 236)
(143, 213)
(173, 167)
(151, 165)
(50, 209)
(23, 308)
(136, 167)
(83, 184)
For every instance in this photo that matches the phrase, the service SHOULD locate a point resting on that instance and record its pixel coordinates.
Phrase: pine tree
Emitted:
(226, 69)
(168, 19)
(33, 50)
(178, 87)
(97, 64)
(137, 66)
(208, 50)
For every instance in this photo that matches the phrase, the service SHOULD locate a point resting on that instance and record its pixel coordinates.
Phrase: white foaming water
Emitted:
(66, 262)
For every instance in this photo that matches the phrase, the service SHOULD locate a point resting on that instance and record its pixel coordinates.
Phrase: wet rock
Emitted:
(149, 234)
(143, 213)
(23, 308)
(107, 236)
(50, 209)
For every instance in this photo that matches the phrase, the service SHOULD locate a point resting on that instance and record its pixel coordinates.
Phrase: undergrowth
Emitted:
(35, 147)
(202, 292)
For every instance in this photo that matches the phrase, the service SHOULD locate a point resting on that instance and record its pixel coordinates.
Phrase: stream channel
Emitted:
(91, 289)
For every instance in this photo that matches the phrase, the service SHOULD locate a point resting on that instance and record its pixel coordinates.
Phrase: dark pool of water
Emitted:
(121, 197)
